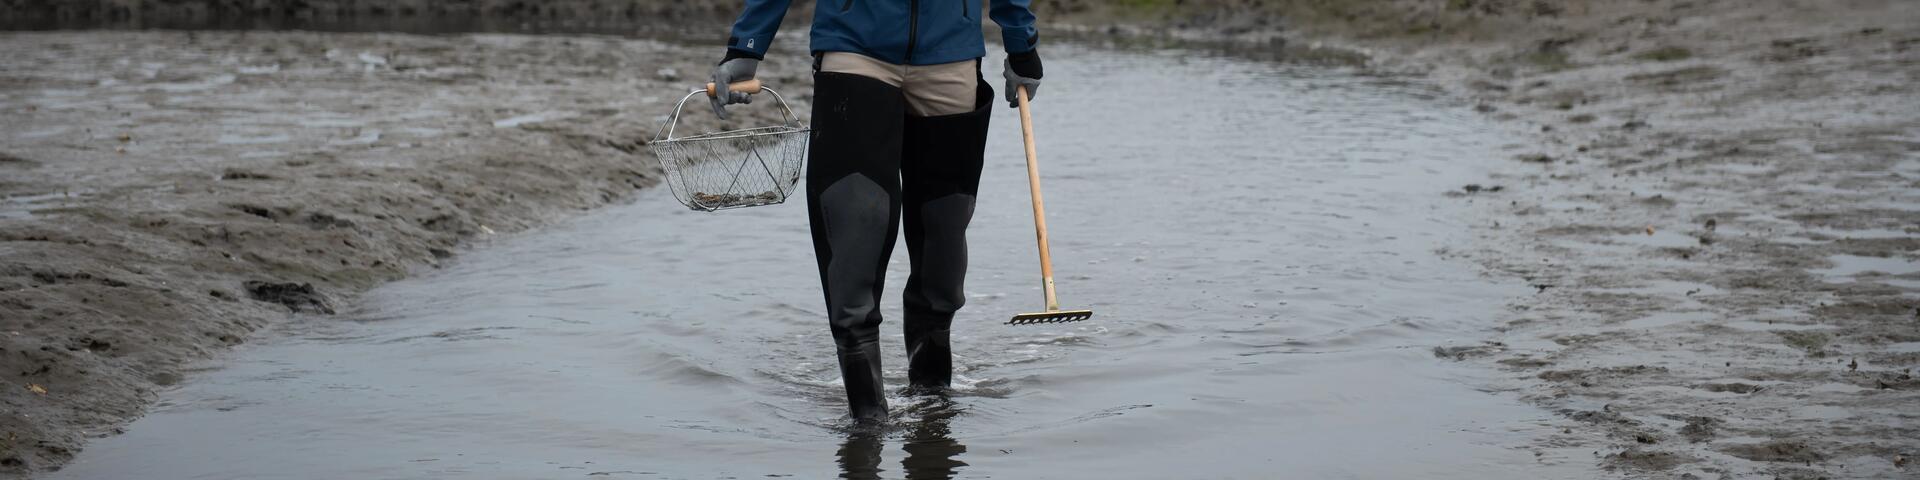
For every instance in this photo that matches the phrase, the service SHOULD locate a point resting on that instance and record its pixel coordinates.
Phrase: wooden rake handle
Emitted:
(1039, 204)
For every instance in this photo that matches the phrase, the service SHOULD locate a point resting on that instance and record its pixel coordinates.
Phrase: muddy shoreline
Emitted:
(1720, 217)
(167, 193)
(1720, 220)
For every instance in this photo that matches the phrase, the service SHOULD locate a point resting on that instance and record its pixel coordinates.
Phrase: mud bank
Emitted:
(1720, 218)
(165, 194)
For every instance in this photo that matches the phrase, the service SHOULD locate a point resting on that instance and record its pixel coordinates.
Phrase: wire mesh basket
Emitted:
(735, 168)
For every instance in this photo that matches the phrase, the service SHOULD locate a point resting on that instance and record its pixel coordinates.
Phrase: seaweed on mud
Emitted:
(243, 174)
(1464, 352)
(323, 221)
(296, 297)
(1735, 387)
(1636, 458)
(724, 200)
(1699, 429)
(270, 213)
(1793, 49)
(1776, 451)
(1601, 417)
(9, 160)
(1678, 77)
(1665, 54)
(1588, 377)
(1814, 343)
(1886, 380)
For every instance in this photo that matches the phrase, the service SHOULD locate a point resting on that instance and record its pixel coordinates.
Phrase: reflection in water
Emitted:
(860, 456)
(932, 453)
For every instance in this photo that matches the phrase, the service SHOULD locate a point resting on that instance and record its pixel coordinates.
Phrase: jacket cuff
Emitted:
(733, 53)
(1020, 40)
(1026, 64)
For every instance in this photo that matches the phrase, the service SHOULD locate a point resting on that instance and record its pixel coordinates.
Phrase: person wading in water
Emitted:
(900, 115)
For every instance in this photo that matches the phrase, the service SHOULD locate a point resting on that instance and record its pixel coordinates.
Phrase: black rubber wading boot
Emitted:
(940, 176)
(853, 206)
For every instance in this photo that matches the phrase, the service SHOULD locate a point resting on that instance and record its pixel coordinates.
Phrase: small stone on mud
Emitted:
(36, 389)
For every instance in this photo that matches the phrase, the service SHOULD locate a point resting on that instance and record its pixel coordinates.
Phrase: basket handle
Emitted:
(750, 86)
(665, 132)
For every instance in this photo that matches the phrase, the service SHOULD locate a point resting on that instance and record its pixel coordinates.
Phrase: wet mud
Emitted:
(165, 194)
(1719, 215)
(1269, 298)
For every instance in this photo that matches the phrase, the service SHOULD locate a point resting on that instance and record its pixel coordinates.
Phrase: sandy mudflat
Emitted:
(1721, 212)
(167, 193)
(1721, 218)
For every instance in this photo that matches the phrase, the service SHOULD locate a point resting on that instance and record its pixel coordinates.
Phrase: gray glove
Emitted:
(1022, 70)
(729, 72)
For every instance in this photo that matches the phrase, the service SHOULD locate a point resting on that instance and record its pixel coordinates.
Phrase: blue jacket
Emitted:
(904, 32)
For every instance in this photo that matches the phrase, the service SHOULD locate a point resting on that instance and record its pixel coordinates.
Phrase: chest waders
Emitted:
(874, 169)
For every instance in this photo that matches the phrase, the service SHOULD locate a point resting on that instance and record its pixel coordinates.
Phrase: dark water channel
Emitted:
(1258, 239)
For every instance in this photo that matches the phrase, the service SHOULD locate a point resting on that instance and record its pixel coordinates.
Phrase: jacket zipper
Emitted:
(913, 27)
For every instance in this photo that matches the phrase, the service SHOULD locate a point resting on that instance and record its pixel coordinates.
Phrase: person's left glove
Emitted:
(730, 71)
(1022, 70)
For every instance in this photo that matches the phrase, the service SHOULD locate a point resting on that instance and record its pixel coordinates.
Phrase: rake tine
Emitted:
(1062, 316)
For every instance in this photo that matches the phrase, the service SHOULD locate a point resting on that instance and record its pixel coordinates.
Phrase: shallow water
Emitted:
(1258, 241)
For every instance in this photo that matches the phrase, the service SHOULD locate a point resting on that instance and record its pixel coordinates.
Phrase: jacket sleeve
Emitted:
(753, 32)
(1016, 24)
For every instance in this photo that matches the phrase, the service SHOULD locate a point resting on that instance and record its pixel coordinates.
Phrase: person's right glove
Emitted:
(730, 71)
(1022, 70)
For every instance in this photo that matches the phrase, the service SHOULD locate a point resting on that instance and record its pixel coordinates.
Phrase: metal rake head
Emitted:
(1054, 316)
